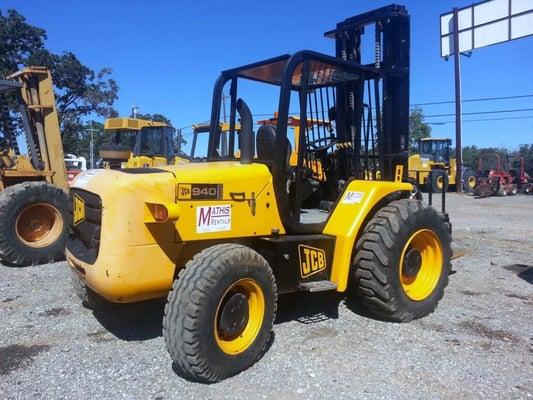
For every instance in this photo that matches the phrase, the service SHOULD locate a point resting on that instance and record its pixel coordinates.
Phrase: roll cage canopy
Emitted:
(285, 71)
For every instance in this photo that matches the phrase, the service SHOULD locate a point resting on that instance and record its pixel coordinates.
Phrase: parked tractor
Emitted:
(522, 180)
(222, 238)
(33, 186)
(494, 178)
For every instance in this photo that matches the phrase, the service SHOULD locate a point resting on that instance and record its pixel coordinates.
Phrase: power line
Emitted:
(480, 112)
(483, 119)
(473, 100)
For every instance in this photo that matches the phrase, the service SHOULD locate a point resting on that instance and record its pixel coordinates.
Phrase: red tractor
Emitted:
(521, 179)
(493, 179)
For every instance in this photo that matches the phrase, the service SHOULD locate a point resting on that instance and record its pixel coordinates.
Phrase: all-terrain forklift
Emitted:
(433, 154)
(138, 143)
(222, 238)
(33, 200)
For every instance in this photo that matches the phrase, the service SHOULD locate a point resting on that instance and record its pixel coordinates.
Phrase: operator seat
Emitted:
(265, 143)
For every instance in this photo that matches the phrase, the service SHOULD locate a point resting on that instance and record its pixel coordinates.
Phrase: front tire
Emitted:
(220, 313)
(437, 181)
(33, 223)
(403, 260)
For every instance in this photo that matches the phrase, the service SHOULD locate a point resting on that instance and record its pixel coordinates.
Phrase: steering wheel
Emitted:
(313, 145)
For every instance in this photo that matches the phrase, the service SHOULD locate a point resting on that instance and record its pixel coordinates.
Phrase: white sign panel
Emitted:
(213, 218)
(82, 180)
(352, 197)
(486, 23)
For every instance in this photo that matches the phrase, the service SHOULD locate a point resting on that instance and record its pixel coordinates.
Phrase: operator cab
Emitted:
(138, 142)
(436, 150)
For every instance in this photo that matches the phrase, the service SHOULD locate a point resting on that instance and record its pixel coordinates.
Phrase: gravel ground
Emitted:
(478, 344)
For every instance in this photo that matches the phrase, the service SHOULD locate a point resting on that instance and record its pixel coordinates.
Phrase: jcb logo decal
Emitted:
(184, 191)
(312, 260)
(78, 207)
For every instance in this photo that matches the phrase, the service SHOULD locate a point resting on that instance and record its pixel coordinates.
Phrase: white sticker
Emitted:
(213, 218)
(352, 197)
(83, 179)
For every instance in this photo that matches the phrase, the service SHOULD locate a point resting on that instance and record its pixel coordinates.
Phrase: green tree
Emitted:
(80, 91)
(418, 128)
(155, 118)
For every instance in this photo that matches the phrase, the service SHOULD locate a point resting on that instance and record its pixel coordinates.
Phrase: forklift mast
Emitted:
(385, 144)
(41, 125)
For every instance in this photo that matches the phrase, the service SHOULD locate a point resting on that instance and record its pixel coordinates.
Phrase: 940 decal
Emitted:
(200, 191)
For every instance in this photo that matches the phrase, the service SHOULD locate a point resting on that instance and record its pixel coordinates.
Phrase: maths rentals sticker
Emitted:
(352, 197)
(213, 218)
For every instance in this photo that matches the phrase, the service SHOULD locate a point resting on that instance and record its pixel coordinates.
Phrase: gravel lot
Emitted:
(478, 344)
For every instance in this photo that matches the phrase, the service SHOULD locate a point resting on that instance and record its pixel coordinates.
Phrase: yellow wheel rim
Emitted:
(472, 182)
(440, 182)
(421, 264)
(236, 329)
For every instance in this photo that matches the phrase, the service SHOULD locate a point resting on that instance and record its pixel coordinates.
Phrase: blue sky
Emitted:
(166, 55)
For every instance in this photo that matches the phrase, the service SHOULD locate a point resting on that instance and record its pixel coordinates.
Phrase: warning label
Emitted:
(213, 218)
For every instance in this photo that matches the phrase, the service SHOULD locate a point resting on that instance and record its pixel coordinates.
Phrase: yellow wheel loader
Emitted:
(222, 238)
(33, 186)
(138, 143)
(433, 154)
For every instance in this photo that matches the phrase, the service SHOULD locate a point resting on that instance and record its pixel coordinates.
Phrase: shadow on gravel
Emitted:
(308, 308)
(522, 271)
(139, 321)
(18, 356)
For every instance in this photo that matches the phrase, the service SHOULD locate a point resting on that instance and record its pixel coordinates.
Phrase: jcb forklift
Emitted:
(33, 200)
(138, 143)
(222, 238)
(433, 154)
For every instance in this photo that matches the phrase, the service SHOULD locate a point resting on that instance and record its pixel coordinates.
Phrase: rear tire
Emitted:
(89, 298)
(220, 313)
(412, 232)
(33, 223)
(469, 180)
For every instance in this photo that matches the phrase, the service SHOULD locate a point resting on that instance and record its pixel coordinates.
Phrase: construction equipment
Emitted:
(222, 238)
(433, 154)
(493, 177)
(74, 165)
(201, 131)
(138, 143)
(521, 178)
(33, 202)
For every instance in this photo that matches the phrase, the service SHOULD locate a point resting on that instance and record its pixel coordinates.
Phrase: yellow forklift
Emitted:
(138, 143)
(433, 154)
(33, 186)
(222, 238)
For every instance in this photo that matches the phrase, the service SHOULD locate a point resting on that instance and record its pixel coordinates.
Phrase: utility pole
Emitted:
(91, 147)
(458, 111)
(178, 139)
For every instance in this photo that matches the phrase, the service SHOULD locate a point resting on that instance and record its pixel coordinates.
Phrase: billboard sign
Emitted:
(486, 23)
